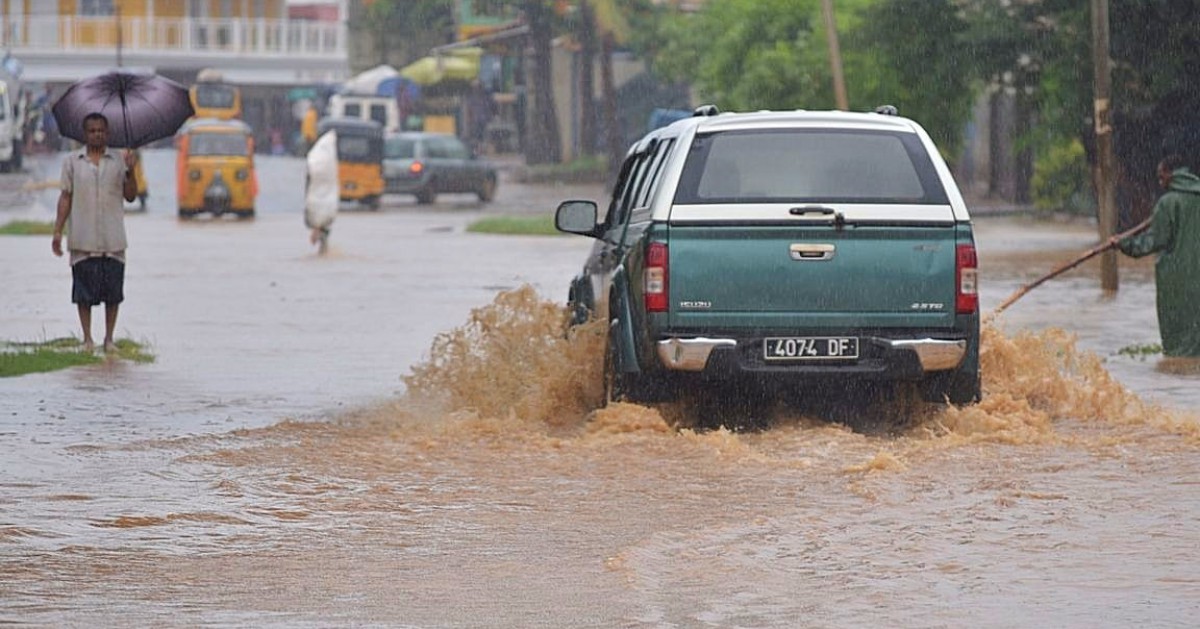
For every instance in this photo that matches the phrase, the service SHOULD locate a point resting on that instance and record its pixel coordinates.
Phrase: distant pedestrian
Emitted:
(321, 190)
(94, 181)
(1174, 234)
(276, 137)
(308, 127)
(481, 108)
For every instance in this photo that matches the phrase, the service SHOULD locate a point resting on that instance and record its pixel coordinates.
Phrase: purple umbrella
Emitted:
(140, 108)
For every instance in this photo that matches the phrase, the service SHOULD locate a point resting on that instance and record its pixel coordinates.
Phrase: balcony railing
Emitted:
(192, 36)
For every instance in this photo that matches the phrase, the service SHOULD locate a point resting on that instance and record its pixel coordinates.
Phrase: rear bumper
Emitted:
(404, 185)
(888, 358)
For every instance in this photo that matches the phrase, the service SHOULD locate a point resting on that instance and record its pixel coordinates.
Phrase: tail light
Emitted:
(655, 277)
(966, 273)
(416, 168)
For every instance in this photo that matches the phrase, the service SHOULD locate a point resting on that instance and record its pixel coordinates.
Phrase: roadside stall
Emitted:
(444, 80)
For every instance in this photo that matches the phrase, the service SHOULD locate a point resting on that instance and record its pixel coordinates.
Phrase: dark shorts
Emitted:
(98, 280)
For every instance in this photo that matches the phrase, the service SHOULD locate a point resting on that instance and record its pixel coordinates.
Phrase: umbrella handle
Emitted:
(125, 115)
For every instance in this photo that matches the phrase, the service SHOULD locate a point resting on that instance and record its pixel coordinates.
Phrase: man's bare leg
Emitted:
(85, 322)
(110, 325)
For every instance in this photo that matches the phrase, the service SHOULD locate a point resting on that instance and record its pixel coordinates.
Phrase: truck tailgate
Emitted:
(807, 275)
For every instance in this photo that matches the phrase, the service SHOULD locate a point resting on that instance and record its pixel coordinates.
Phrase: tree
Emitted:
(931, 78)
(585, 33)
(400, 31)
(608, 20)
(544, 144)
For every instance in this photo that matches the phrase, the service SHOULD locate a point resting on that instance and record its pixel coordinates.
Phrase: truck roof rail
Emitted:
(706, 110)
(887, 110)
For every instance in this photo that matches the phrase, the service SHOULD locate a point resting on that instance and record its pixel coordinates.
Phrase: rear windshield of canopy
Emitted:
(217, 144)
(356, 148)
(809, 166)
(208, 95)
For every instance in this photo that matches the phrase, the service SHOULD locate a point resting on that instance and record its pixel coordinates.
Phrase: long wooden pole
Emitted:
(835, 56)
(1106, 246)
(1106, 162)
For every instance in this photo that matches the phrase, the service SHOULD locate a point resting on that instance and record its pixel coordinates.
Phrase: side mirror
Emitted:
(576, 217)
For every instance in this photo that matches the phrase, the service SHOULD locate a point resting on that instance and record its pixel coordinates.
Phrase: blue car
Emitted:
(428, 164)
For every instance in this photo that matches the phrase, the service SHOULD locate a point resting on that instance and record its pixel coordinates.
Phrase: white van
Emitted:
(381, 109)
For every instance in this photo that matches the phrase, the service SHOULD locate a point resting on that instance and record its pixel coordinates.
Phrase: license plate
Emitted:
(810, 348)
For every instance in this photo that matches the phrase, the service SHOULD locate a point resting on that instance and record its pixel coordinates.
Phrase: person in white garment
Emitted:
(321, 191)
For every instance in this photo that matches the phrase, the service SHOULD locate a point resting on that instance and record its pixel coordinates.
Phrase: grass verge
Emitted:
(26, 228)
(584, 169)
(515, 225)
(20, 358)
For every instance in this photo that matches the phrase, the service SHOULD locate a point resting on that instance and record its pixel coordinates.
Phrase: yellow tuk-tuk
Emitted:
(143, 189)
(360, 158)
(215, 168)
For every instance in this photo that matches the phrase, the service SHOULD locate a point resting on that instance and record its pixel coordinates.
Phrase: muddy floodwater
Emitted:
(403, 434)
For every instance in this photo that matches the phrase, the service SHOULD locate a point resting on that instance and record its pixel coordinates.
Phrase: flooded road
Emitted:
(400, 434)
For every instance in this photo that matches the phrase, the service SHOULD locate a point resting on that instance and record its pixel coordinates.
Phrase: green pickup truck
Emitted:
(790, 247)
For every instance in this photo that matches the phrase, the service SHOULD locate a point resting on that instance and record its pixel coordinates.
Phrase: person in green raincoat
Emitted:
(1174, 234)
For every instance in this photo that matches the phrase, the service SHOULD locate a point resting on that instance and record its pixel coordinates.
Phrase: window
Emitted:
(217, 144)
(796, 166)
(379, 114)
(455, 149)
(434, 149)
(653, 169)
(350, 146)
(399, 148)
(616, 207)
(96, 8)
(215, 96)
(352, 110)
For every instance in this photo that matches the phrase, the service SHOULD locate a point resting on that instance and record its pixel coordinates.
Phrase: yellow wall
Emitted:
(102, 31)
(273, 9)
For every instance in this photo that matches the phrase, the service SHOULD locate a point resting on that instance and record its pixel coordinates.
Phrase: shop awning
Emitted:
(461, 64)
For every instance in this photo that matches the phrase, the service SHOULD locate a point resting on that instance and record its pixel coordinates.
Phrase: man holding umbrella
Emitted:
(137, 109)
(94, 181)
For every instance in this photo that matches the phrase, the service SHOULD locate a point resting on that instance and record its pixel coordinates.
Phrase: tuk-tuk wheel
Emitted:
(245, 214)
(426, 196)
(372, 202)
(487, 191)
(186, 214)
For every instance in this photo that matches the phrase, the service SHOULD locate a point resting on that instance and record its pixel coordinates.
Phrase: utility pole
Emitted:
(1106, 161)
(119, 36)
(835, 56)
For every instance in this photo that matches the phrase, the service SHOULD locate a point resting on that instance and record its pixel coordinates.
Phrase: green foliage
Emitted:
(20, 358)
(515, 225)
(911, 54)
(402, 31)
(27, 228)
(1062, 180)
(583, 169)
(743, 54)
(773, 54)
(1141, 352)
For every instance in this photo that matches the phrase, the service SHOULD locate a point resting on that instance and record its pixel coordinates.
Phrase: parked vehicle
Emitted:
(429, 164)
(143, 186)
(12, 119)
(382, 109)
(360, 158)
(215, 168)
(791, 248)
(212, 97)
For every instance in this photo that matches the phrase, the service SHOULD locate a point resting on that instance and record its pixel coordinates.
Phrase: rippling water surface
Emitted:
(273, 468)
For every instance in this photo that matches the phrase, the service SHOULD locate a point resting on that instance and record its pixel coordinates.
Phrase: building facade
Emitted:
(250, 41)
